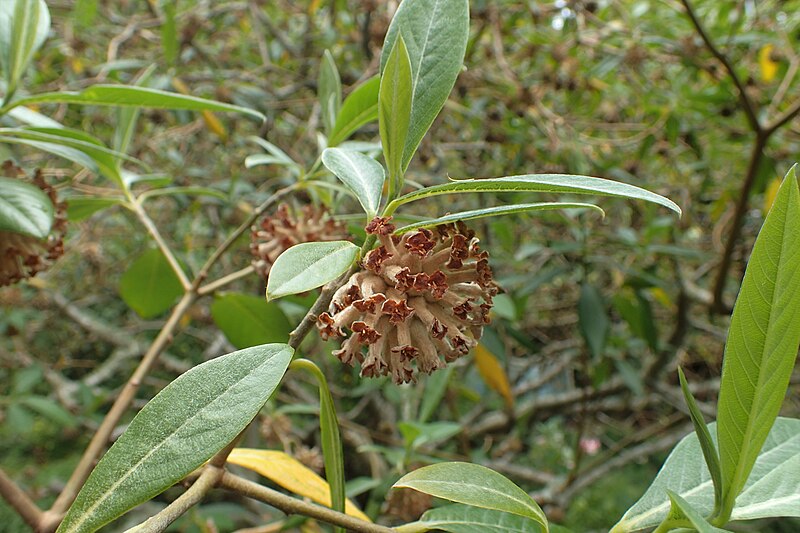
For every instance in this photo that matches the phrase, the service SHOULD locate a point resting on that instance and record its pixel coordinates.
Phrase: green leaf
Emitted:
(248, 320)
(82, 207)
(553, 183)
(24, 25)
(769, 491)
(49, 409)
(149, 286)
(84, 13)
(309, 265)
(473, 485)
(394, 112)
(362, 175)
(435, 33)
(359, 108)
(104, 158)
(762, 341)
(189, 421)
(496, 211)
(169, 33)
(24, 208)
(124, 96)
(191, 190)
(329, 91)
(127, 117)
(682, 508)
(457, 518)
(704, 437)
(593, 319)
(331, 440)
(435, 387)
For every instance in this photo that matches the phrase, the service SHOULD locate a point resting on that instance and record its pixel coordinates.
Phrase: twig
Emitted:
(193, 495)
(147, 222)
(20, 501)
(209, 288)
(290, 505)
(749, 108)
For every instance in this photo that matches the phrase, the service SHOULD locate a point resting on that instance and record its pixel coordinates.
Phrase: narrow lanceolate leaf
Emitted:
(149, 286)
(362, 175)
(309, 265)
(551, 183)
(704, 437)
(332, 453)
(493, 373)
(23, 29)
(769, 491)
(123, 96)
(593, 319)
(189, 421)
(329, 91)
(473, 485)
(762, 343)
(24, 208)
(435, 33)
(683, 509)
(248, 320)
(458, 518)
(359, 108)
(394, 112)
(289, 473)
(496, 211)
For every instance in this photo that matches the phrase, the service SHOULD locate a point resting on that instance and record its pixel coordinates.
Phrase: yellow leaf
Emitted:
(214, 124)
(286, 471)
(769, 194)
(661, 296)
(493, 373)
(769, 68)
(211, 120)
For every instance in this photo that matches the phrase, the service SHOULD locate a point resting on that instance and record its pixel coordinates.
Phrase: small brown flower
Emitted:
(274, 234)
(23, 256)
(421, 300)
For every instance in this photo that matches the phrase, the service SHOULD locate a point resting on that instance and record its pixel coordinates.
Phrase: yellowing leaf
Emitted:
(286, 471)
(661, 296)
(769, 194)
(493, 373)
(211, 120)
(769, 68)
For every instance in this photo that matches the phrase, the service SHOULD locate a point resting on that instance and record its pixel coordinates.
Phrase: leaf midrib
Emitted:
(105, 495)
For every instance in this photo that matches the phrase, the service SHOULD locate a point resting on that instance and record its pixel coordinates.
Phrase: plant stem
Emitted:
(100, 438)
(21, 502)
(147, 222)
(211, 287)
(290, 505)
(121, 404)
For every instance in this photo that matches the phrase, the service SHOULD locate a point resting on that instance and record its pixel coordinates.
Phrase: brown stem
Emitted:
(121, 404)
(749, 108)
(779, 122)
(718, 304)
(147, 222)
(193, 495)
(290, 505)
(20, 501)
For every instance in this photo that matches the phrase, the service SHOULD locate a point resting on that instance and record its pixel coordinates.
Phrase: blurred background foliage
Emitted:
(574, 392)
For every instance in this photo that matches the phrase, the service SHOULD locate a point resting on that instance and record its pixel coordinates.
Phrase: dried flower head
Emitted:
(23, 256)
(274, 234)
(420, 296)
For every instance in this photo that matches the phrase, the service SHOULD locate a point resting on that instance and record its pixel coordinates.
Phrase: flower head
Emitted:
(276, 233)
(23, 256)
(420, 301)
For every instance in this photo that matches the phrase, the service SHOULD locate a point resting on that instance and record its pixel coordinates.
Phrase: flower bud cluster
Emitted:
(23, 256)
(276, 233)
(421, 298)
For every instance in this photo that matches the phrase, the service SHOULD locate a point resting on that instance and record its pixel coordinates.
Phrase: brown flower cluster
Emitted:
(276, 233)
(420, 296)
(23, 256)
